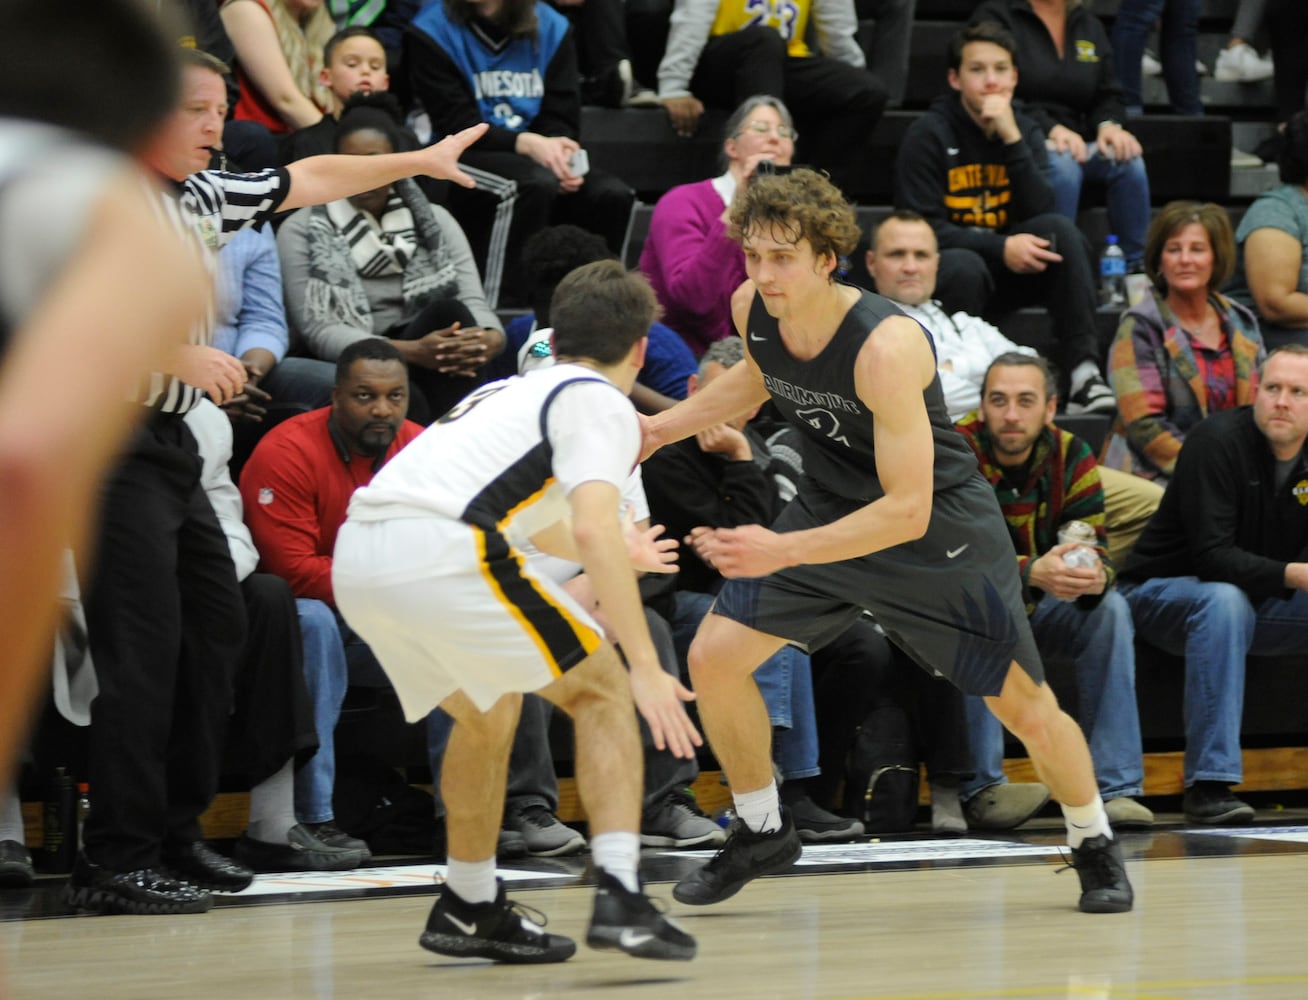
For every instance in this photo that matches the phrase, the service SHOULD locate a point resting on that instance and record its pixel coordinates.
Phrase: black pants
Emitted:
(861, 671)
(516, 197)
(167, 625)
(272, 718)
(836, 106)
(432, 393)
(970, 283)
(1287, 23)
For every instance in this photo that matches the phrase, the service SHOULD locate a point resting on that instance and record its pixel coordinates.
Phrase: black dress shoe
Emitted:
(201, 865)
(144, 891)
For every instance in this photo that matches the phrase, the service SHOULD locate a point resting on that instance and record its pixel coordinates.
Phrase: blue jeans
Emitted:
(301, 380)
(1215, 626)
(1126, 185)
(1100, 644)
(785, 680)
(326, 676)
(531, 778)
(1176, 40)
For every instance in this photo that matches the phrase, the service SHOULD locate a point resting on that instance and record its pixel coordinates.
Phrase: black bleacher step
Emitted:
(1188, 157)
(638, 145)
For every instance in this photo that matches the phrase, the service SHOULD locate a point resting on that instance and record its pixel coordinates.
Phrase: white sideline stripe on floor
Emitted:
(378, 877)
(952, 849)
(1293, 834)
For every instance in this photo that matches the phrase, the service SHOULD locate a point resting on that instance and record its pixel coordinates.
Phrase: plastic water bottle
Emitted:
(1112, 274)
(83, 808)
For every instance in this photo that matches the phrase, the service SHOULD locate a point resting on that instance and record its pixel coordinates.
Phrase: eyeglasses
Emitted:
(759, 127)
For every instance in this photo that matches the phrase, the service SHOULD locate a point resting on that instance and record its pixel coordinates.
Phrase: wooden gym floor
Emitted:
(1219, 914)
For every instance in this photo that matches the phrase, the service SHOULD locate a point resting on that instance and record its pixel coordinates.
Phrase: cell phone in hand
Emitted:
(1052, 237)
(579, 165)
(771, 168)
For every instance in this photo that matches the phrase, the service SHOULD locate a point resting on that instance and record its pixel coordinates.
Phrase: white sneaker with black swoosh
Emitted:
(503, 931)
(632, 922)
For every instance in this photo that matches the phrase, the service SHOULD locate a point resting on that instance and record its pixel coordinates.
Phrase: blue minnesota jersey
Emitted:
(509, 82)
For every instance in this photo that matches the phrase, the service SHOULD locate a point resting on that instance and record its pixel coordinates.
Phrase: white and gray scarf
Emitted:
(345, 246)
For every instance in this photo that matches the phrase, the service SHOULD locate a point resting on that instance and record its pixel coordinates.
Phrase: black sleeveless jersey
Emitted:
(819, 397)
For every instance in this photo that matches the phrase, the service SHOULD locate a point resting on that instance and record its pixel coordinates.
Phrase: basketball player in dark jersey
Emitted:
(893, 517)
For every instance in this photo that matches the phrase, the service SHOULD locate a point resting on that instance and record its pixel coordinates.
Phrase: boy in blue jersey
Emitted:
(513, 65)
(892, 518)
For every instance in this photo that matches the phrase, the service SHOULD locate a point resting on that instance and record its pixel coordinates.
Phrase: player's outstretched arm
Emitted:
(659, 697)
(317, 180)
(738, 390)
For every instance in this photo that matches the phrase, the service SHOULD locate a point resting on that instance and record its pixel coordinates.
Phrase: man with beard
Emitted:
(295, 488)
(1044, 479)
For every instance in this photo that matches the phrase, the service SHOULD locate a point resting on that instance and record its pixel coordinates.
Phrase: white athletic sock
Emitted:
(272, 807)
(618, 854)
(472, 881)
(1082, 372)
(11, 817)
(759, 810)
(1087, 821)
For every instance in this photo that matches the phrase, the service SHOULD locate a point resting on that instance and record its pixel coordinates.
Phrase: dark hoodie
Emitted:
(971, 188)
(1078, 90)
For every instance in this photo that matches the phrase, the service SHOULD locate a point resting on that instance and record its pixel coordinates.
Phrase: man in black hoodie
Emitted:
(976, 169)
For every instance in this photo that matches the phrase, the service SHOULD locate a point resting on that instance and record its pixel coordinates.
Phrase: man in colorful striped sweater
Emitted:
(1044, 479)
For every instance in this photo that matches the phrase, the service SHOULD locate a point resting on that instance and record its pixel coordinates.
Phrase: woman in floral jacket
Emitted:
(1185, 350)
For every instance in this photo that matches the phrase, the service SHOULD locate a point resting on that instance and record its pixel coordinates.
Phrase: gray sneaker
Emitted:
(303, 852)
(1006, 805)
(546, 836)
(1125, 813)
(676, 820)
(333, 836)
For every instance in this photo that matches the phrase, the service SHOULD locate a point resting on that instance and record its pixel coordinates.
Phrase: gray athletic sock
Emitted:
(11, 817)
(272, 807)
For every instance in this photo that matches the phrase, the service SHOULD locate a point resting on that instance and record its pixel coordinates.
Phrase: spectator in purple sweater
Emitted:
(688, 259)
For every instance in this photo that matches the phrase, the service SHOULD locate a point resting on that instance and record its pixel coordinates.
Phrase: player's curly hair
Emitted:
(801, 205)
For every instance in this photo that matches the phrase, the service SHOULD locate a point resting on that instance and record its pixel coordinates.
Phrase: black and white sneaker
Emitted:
(746, 855)
(503, 931)
(1104, 885)
(632, 922)
(1093, 396)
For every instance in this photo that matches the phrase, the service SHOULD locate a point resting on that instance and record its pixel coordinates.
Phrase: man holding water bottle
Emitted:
(1047, 483)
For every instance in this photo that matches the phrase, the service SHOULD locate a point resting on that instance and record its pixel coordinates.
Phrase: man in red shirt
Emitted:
(296, 488)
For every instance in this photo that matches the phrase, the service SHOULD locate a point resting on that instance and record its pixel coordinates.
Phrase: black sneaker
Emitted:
(1094, 396)
(16, 871)
(817, 826)
(145, 891)
(501, 931)
(632, 922)
(1211, 803)
(746, 855)
(1104, 885)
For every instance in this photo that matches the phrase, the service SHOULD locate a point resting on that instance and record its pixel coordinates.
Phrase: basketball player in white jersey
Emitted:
(429, 570)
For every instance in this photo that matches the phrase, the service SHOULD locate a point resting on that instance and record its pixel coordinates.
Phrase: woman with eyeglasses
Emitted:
(687, 257)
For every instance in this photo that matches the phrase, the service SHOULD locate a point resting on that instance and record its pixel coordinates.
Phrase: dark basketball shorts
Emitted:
(952, 600)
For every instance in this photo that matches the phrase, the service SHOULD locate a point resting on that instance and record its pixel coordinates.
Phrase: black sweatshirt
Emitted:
(1078, 90)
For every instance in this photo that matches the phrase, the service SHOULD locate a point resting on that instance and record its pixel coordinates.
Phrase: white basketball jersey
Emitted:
(507, 457)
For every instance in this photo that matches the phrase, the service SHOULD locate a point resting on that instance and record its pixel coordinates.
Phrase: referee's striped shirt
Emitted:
(211, 207)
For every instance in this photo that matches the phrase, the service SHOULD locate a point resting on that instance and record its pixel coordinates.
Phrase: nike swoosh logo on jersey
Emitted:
(955, 553)
(951, 150)
(468, 929)
(632, 938)
(755, 336)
